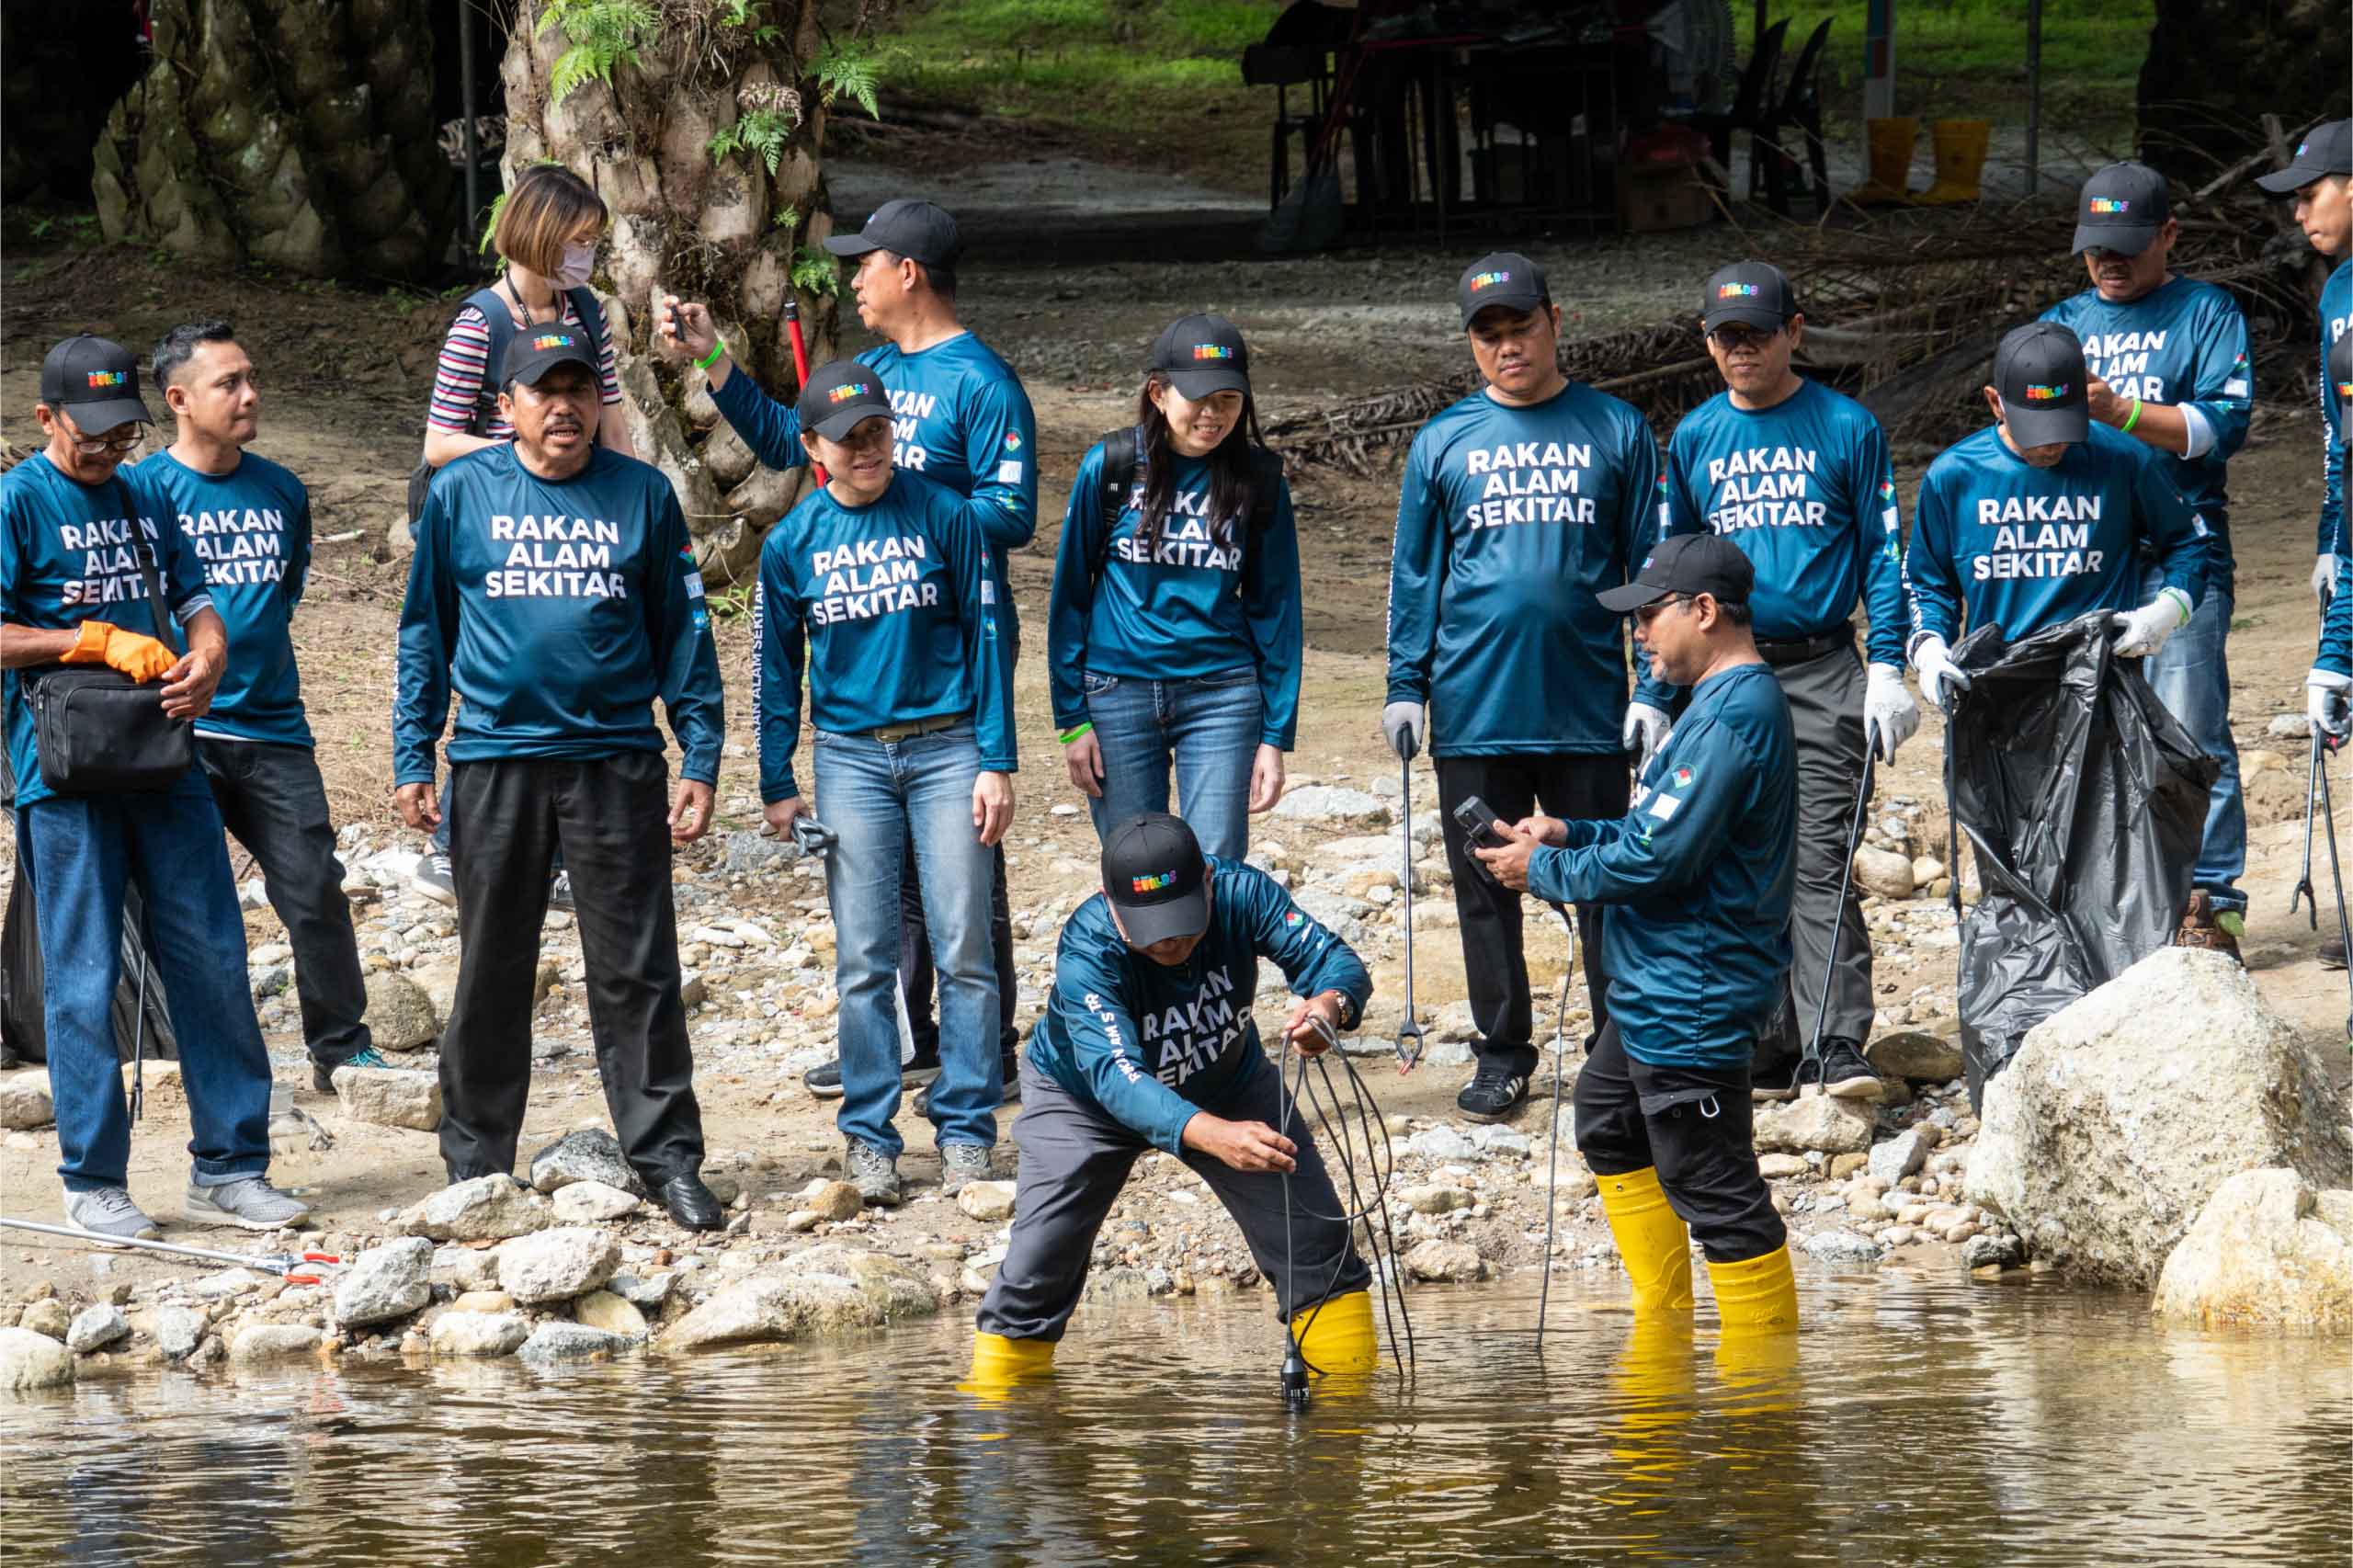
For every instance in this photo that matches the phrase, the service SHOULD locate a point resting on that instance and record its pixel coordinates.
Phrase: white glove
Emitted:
(1400, 725)
(1890, 716)
(2144, 631)
(1646, 730)
(1939, 676)
(2326, 700)
(2324, 576)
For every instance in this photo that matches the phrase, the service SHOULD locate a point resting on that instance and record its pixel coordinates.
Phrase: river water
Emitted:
(1917, 1422)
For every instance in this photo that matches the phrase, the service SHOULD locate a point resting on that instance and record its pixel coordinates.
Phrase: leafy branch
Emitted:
(850, 70)
(604, 34)
(815, 272)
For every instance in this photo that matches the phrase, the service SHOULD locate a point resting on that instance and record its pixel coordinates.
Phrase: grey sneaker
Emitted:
(109, 1211)
(960, 1163)
(432, 879)
(249, 1203)
(560, 893)
(872, 1172)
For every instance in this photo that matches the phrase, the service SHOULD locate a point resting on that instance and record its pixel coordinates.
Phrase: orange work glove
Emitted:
(141, 658)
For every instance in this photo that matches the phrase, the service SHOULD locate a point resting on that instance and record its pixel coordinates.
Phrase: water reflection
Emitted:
(1944, 1423)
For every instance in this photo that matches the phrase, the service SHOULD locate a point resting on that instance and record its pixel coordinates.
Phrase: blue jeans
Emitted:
(2191, 676)
(875, 795)
(83, 851)
(1207, 726)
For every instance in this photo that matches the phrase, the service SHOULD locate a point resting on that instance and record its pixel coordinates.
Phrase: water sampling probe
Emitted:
(1409, 1033)
(282, 1264)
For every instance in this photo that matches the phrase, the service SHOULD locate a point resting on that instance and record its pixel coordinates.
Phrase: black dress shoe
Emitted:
(691, 1203)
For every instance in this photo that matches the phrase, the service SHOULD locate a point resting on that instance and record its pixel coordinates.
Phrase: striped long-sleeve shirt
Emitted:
(458, 378)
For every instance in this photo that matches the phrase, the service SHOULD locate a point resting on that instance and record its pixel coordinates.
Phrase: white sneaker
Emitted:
(109, 1211)
(249, 1203)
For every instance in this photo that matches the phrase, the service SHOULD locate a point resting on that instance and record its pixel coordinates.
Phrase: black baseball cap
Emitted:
(836, 398)
(2340, 382)
(1504, 277)
(917, 230)
(1686, 563)
(96, 382)
(1751, 293)
(2039, 370)
(533, 351)
(1154, 876)
(1201, 356)
(2120, 209)
(2326, 150)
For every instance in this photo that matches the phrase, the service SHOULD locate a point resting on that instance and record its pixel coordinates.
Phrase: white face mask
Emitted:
(579, 260)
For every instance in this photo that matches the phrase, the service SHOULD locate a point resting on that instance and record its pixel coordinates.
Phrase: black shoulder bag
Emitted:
(95, 730)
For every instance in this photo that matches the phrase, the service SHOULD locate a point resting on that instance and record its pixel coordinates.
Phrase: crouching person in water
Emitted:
(1699, 872)
(1147, 1043)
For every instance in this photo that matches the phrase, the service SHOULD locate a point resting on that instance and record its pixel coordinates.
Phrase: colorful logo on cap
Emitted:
(2037, 393)
(1213, 351)
(103, 379)
(2111, 205)
(1735, 291)
(1488, 281)
(554, 340)
(2300, 148)
(1012, 441)
(2344, 390)
(1153, 884)
(847, 391)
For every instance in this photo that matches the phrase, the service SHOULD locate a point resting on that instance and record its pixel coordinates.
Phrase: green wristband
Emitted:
(1069, 735)
(718, 347)
(2126, 429)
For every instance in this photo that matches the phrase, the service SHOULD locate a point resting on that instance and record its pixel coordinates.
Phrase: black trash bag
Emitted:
(2085, 800)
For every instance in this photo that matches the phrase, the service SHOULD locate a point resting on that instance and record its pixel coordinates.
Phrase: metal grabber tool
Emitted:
(2323, 743)
(282, 1264)
(1810, 1061)
(1409, 1033)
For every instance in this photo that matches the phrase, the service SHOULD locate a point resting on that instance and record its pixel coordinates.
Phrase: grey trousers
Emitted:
(1075, 1160)
(1827, 717)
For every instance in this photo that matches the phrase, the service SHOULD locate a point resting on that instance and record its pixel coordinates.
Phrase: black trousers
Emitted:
(609, 815)
(1694, 1124)
(916, 978)
(273, 802)
(1567, 785)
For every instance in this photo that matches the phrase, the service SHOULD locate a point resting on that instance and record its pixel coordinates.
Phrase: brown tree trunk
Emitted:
(700, 228)
(2216, 67)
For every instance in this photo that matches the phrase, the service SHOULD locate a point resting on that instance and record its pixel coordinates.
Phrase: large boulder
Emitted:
(1815, 1123)
(25, 1100)
(390, 1097)
(556, 1265)
(824, 1288)
(95, 1328)
(587, 1153)
(477, 1334)
(30, 1360)
(2124, 1112)
(400, 1015)
(385, 1282)
(2266, 1249)
(487, 1208)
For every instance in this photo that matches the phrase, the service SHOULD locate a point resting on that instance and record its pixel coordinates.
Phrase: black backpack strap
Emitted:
(146, 555)
(1120, 455)
(592, 316)
(493, 306)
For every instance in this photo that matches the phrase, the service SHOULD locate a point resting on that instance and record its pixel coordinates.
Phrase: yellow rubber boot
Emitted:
(1756, 1293)
(1653, 1241)
(999, 1363)
(1891, 157)
(1337, 1336)
(1960, 161)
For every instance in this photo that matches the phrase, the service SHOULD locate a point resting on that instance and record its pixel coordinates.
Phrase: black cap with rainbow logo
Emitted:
(2039, 370)
(97, 383)
(1154, 876)
(1503, 279)
(1200, 357)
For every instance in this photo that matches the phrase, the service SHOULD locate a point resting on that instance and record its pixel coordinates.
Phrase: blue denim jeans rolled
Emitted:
(83, 851)
(2191, 676)
(875, 795)
(1204, 730)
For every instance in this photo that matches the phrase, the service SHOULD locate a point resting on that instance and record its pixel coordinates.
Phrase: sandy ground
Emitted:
(346, 374)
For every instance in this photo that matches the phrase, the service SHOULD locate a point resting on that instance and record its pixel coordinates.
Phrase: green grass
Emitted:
(1965, 55)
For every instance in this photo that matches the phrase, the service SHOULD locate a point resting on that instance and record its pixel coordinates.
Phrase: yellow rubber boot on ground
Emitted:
(1891, 158)
(1337, 1336)
(1756, 1293)
(999, 1363)
(1653, 1241)
(1960, 161)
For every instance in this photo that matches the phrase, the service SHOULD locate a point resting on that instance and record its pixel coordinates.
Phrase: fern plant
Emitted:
(815, 272)
(849, 69)
(760, 131)
(604, 34)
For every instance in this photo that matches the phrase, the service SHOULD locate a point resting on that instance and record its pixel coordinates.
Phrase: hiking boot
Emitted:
(2332, 953)
(560, 892)
(433, 881)
(872, 1172)
(962, 1163)
(1012, 1077)
(1846, 1076)
(323, 1072)
(109, 1211)
(824, 1082)
(1777, 1082)
(249, 1203)
(2204, 927)
(1497, 1090)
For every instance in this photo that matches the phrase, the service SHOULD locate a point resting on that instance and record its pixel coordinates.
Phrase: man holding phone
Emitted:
(1700, 870)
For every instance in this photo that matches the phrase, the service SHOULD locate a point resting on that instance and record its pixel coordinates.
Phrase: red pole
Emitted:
(799, 359)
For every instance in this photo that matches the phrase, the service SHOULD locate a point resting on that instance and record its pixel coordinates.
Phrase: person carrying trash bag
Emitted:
(1797, 477)
(1699, 876)
(2037, 525)
(1174, 629)
(1147, 1043)
(877, 587)
(1518, 503)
